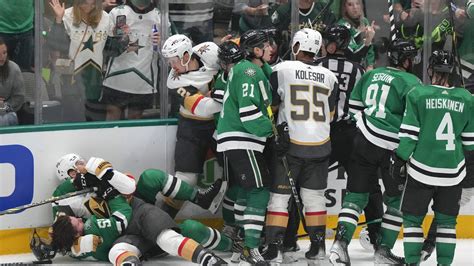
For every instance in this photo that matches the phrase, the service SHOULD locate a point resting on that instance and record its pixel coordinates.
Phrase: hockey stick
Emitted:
(294, 192)
(46, 201)
(317, 18)
(451, 5)
(359, 224)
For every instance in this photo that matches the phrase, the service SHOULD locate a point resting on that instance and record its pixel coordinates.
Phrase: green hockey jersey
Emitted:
(438, 122)
(109, 229)
(244, 122)
(377, 103)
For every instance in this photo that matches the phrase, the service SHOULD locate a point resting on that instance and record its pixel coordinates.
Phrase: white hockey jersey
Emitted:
(307, 95)
(135, 70)
(90, 45)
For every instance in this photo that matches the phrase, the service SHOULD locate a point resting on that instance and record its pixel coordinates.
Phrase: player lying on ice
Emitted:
(127, 227)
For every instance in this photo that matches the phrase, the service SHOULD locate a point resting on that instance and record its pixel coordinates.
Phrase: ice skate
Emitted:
(251, 256)
(211, 197)
(384, 256)
(273, 253)
(427, 249)
(210, 259)
(317, 250)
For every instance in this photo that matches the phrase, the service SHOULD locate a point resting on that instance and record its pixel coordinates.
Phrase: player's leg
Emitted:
(158, 227)
(416, 198)
(277, 210)
(208, 237)
(153, 181)
(374, 211)
(362, 171)
(446, 209)
(251, 171)
(313, 179)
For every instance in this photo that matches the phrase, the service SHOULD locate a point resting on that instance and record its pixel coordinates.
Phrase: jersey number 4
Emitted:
(319, 116)
(445, 132)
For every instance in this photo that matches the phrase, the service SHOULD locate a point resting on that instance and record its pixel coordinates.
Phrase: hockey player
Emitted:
(131, 76)
(100, 232)
(242, 131)
(377, 103)
(307, 109)
(343, 129)
(437, 125)
(193, 69)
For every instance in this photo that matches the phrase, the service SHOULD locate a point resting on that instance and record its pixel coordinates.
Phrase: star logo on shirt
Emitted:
(89, 44)
(134, 47)
(204, 49)
(250, 72)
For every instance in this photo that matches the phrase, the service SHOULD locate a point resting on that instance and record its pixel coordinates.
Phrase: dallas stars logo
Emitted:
(89, 44)
(204, 49)
(250, 72)
(134, 47)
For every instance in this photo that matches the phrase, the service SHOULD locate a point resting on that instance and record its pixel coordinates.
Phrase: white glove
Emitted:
(85, 244)
(466, 195)
(98, 166)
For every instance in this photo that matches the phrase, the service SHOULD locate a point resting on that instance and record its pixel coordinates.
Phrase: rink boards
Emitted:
(28, 156)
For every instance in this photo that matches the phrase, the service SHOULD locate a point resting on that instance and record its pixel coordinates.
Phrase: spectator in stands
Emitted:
(81, 32)
(360, 47)
(310, 16)
(193, 18)
(131, 77)
(254, 14)
(16, 28)
(12, 91)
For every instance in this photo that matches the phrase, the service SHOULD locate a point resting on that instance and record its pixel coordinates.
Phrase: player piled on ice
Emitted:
(305, 143)
(127, 227)
(377, 103)
(242, 131)
(343, 128)
(193, 70)
(438, 124)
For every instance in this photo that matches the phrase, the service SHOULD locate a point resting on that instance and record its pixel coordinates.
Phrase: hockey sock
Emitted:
(208, 237)
(122, 252)
(445, 238)
(254, 215)
(277, 217)
(412, 237)
(153, 181)
(352, 206)
(315, 213)
(177, 245)
(391, 222)
(239, 206)
(374, 211)
(228, 205)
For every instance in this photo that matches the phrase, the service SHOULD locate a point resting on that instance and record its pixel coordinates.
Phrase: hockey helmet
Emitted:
(338, 34)
(65, 164)
(42, 248)
(207, 53)
(309, 41)
(400, 50)
(441, 61)
(177, 45)
(229, 53)
(251, 39)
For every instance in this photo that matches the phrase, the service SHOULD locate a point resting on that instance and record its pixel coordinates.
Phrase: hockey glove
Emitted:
(397, 167)
(98, 167)
(86, 180)
(282, 141)
(85, 244)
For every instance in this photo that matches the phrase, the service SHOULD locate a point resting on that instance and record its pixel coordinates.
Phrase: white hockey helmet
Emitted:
(177, 45)
(309, 41)
(65, 164)
(207, 53)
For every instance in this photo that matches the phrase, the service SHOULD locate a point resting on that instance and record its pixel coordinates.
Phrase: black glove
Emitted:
(82, 181)
(397, 167)
(107, 191)
(282, 141)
